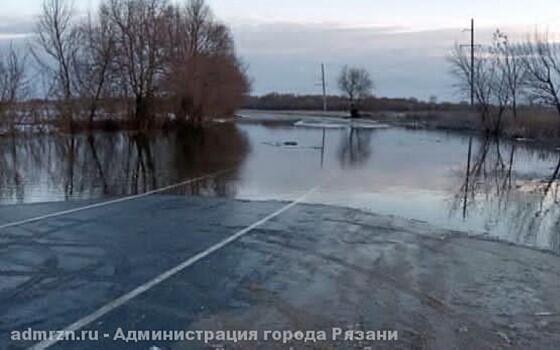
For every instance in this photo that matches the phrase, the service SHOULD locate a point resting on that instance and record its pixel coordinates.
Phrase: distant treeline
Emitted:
(276, 101)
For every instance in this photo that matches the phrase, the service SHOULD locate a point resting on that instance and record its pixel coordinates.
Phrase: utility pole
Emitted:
(325, 108)
(472, 62)
(472, 75)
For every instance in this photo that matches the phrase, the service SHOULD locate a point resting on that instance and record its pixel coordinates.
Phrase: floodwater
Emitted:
(498, 190)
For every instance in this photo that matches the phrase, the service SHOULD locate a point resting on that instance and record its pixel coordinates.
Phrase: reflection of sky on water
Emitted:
(414, 174)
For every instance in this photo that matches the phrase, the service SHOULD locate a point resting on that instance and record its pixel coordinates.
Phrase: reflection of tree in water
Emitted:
(10, 172)
(522, 205)
(203, 151)
(113, 164)
(355, 148)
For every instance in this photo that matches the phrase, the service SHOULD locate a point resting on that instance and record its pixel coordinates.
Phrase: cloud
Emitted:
(15, 29)
(404, 61)
(285, 56)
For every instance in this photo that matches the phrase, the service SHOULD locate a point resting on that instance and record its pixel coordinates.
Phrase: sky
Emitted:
(403, 43)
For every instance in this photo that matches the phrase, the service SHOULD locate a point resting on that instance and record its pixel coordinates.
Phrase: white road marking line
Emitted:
(114, 201)
(168, 274)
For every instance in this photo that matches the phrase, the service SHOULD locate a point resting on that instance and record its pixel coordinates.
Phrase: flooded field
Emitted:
(498, 190)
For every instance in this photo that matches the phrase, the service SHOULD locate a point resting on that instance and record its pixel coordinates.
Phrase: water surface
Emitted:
(503, 190)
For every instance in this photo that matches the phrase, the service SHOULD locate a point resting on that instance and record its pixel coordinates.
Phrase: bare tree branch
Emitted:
(356, 83)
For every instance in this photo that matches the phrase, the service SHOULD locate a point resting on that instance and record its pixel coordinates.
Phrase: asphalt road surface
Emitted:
(309, 267)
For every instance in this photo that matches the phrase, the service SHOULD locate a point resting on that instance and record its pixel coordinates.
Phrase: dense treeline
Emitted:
(143, 62)
(276, 101)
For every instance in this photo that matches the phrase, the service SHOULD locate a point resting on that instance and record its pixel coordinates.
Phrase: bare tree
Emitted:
(461, 69)
(500, 94)
(94, 60)
(217, 89)
(356, 83)
(513, 69)
(506, 80)
(139, 38)
(541, 59)
(57, 37)
(138, 52)
(12, 75)
(197, 18)
(492, 90)
(12, 84)
(203, 75)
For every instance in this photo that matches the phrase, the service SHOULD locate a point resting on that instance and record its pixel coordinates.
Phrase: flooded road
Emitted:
(311, 267)
(501, 191)
(254, 247)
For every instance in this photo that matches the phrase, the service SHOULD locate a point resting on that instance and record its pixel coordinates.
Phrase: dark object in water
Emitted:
(290, 143)
(354, 113)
